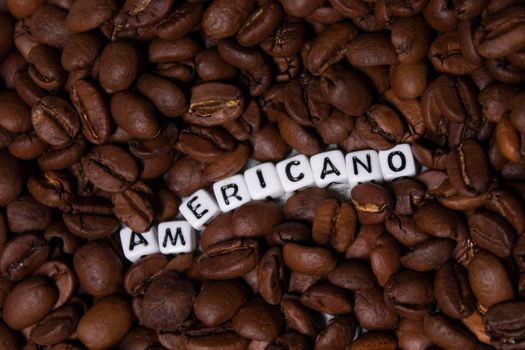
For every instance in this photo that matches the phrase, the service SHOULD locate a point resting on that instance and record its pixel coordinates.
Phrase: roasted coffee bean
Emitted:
(133, 207)
(211, 66)
(135, 115)
(113, 314)
(229, 259)
(437, 220)
(385, 258)
(64, 278)
(55, 121)
(22, 255)
(45, 68)
(219, 301)
(490, 231)
(10, 181)
(261, 23)
(428, 255)
(304, 103)
(223, 19)
(166, 96)
(327, 298)
(110, 168)
(503, 323)
(98, 268)
(334, 224)
(371, 50)
(28, 302)
(118, 65)
(372, 202)
(338, 334)
(52, 188)
(313, 261)
(297, 316)
(246, 220)
(185, 177)
(26, 88)
(94, 114)
(268, 144)
(91, 218)
(258, 320)
(81, 50)
(167, 302)
(381, 127)
(57, 325)
(468, 169)
(26, 214)
(410, 333)
(214, 104)
(452, 290)
(205, 144)
(446, 57)
(448, 333)
(410, 293)
(271, 276)
(286, 40)
(298, 136)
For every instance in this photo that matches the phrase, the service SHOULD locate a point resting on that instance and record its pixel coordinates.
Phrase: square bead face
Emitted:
(363, 166)
(231, 193)
(263, 182)
(176, 237)
(329, 167)
(295, 173)
(199, 208)
(135, 245)
(397, 162)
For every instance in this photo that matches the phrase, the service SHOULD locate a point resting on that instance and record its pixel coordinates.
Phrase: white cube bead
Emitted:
(263, 182)
(329, 167)
(135, 245)
(176, 237)
(295, 173)
(397, 162)
(363, 166)
(199, 208)
(231, 193)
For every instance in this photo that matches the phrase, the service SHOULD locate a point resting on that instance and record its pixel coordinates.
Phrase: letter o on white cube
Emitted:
(397, 162)
(136, 245)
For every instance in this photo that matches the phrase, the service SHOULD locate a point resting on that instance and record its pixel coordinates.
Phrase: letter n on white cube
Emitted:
(397, 162)
(176, 237)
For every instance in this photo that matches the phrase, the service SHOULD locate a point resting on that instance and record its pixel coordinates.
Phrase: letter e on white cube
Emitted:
(199, 208)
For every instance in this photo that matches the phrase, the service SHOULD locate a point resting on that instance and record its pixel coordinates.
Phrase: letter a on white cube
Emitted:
(135, 245)
(231, 193)
(329, 167)
(199, 208)
(263, 181)
(176, 237)
(363, 166)
(397, 162)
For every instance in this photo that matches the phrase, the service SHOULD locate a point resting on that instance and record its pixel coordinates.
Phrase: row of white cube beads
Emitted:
(171, 237)
(268, 180)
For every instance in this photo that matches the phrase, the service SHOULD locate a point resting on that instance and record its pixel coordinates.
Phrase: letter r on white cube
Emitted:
(135, 245)
(176, 237)
(199, 208)
(397, 162)
(231, 193)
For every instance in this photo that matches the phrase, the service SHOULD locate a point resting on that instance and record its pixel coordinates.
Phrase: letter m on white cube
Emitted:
(176, 237)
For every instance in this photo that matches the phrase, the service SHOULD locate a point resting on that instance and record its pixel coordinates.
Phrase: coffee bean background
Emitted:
(111, 111)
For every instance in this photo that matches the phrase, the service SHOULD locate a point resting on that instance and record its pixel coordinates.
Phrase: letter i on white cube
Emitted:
(263, 182)
(135, 245)
(363, 166)
(295, 173)
(176, 237)
(199, 208)
(231, 193)
(397, 162)
(329, 167)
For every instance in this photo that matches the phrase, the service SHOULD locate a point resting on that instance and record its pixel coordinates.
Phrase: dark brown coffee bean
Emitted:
(48, 26)
(81, 51)
(346, 89)
(467, 168)
(338, 334)
(180, 22)
(223, 19)
(239, 56)
(139, 338)
(91, 218)
(288, 232)
(15, 115)
(484, 271)
(229, 259)
(268, 144)
(509, 206)
(490, 231)
(381, 127)
(110, 168)
(303, 101)
(385, 258)
(118, 66)
(167, 97)
(411, 48)
(261, 24)
(57, 325)
(83, 17)
(258, 320)
(436, 220)
(327, 298)
(371, 310)
(45, 69)
(371, 49)
(64, 278)
(166, 50)
(22, 255)
(410, 334)
(113, 315)
(98, 268)
(28, 302)
(298, 317)
(185, 177)
(372, 202)
(133, 207)
(90, 105)
(55, 121)
(503, 323)
(134, 114)
(374, 340)
(52, 188)
(428, 255)
(334, 224)
(218, 230)
(313, 261)
(205, 144)
(446, 57)
(298, 136)
(410, 293)
(255, 219)
(448, 333)
(286, 40)
(10, 180)
(336, 128)
(219, 301)
(26, 88)
(26, 214)
(211, 66)
(10, 341)
(405, 230)
(139, 276)
(452, 291)
(271, 276)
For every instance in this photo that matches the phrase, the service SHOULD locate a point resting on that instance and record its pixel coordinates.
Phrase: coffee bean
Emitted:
(372, 202)
(258, 320)
(55, 121)
(453, 293)
(57, 325)
(22, 255)
(261, 23)
(313, 261)
(133, 207)
(339, 232)
(490, 231)
(223, 19)
(135, 115)
(91, 218)
(10, 181)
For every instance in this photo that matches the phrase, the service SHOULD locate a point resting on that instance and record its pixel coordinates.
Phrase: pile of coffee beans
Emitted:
(111, 111)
